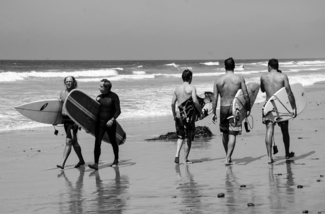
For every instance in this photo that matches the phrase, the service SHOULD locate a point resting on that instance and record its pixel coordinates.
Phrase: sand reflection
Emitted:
(189, 190)
(110, 194)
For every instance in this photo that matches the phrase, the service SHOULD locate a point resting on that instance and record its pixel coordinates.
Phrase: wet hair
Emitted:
(107, 84)
(187, 75)
(75, 83)
(274, 63)
(229, 64)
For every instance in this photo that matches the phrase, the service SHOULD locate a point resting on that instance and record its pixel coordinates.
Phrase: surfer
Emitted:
(271, 83)
(227, 86)
(188, 106)
(109, 110)
(70, 127)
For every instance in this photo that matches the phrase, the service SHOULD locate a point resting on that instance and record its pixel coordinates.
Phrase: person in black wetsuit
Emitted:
(109, 110)
(70, 127)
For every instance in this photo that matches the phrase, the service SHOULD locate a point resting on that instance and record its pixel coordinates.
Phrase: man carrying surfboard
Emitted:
(271, 82)
(70, 127)
(188, 106)
(227, 86)
(109, 110)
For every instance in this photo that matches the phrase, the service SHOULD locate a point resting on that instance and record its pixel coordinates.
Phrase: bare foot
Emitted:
(61, 167)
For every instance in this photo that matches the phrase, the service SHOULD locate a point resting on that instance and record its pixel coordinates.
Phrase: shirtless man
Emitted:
(227, 86)
(188, 106)
(70, 127)
(271, 83)
(109, 110)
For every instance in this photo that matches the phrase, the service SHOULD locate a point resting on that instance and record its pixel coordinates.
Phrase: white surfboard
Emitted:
(43, 111)
(239, 104)
(278, 107)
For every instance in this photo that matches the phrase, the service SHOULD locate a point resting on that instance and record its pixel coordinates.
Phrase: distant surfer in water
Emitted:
(227, 86)
(189, 109)
(109, 110)
(270, 84)
(70, 127)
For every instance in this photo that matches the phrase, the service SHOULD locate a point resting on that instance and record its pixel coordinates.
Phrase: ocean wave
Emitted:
(120, 77)
(209, 63)
(138, 72)
(15, 76)
(172, 64)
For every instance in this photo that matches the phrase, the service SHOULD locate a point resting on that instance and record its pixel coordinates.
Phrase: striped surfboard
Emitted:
(83, 110)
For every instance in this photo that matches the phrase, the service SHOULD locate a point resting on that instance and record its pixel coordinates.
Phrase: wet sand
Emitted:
(147, 180)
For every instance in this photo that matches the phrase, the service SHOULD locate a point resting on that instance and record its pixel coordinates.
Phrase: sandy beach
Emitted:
(148, 181)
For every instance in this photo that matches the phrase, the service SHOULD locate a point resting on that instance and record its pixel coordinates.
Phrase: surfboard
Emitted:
(239, 109)
(83, 110)
(43, 111)
(278, 107)
(205, 100)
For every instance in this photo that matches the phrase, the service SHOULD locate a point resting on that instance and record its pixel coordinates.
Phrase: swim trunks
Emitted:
(68, 126)
(183, 131)
(227, 125)
(270, 120)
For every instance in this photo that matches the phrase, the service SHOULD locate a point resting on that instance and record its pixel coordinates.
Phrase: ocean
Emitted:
(145, 88)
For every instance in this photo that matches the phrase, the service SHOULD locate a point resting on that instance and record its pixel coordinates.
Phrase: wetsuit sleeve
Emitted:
(117, 107)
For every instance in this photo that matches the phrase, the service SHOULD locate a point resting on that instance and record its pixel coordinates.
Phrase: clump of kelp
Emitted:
(200, 132)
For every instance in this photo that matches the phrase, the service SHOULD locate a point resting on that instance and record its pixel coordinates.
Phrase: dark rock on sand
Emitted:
(200, 132)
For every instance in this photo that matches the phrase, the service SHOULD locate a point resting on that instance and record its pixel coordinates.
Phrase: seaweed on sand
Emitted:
(200, 132)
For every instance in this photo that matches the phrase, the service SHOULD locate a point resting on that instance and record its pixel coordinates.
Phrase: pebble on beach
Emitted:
(243, 185)
(251, 205)
(305, 211)
(300, 186)
(221, 195)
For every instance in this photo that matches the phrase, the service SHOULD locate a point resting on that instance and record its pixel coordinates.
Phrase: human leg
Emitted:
(225, 139)
(99, 134)
(230, 148)
(286, 139)
(111, 131)
(180, 131)
(178, 149)
(268, 141)
(68, 144)
(77, 148)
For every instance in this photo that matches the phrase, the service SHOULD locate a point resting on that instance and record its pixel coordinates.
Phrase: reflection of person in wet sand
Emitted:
(231, 190)
(189, 189)
(109, 196)
(75, 193)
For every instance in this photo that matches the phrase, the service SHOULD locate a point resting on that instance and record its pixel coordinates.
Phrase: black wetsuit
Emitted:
(109, 108)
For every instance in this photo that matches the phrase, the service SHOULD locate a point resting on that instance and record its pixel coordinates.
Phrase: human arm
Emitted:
(215, 102)
(174, 99)
(262, 85)
(290, 95)
(196, 102)
(116, 103)
(245, 93)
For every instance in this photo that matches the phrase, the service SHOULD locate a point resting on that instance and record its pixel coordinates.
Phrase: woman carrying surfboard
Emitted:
(270, 84)
(109, 110)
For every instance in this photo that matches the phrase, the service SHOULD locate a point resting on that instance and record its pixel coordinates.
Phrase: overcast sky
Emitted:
(161, 29)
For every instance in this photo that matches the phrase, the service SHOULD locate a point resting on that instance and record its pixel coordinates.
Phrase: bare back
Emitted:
(184, 92)
(227, 86)
(272, 82)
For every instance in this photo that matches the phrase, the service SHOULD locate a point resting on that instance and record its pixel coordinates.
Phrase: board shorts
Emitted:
(227, 125)
(183, 130)
(268, 121)
(69, 126)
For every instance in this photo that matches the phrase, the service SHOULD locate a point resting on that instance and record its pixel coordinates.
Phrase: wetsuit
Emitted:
(109, 107)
